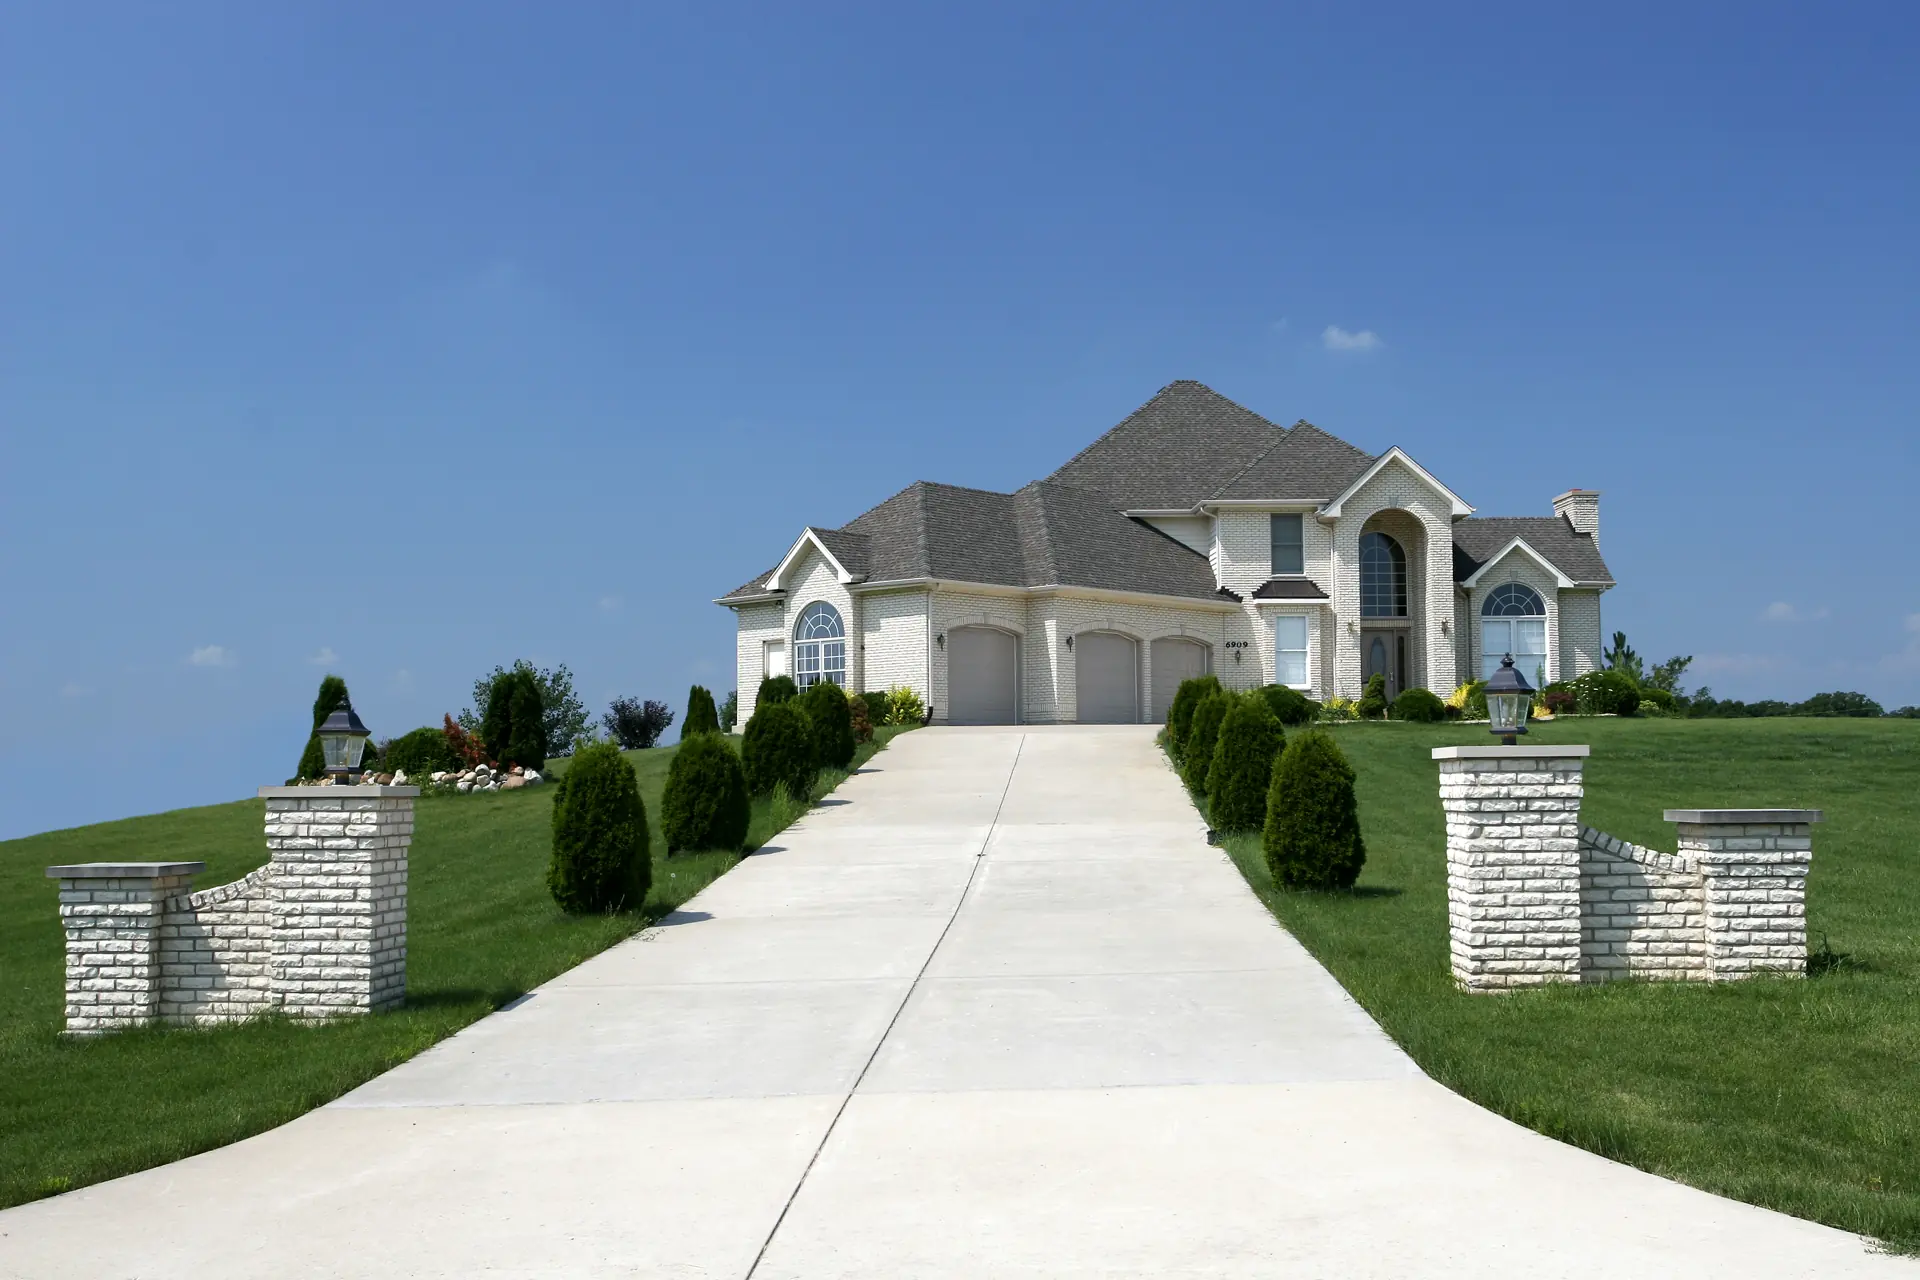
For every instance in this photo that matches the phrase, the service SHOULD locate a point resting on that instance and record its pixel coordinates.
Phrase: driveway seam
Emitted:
(972, 874)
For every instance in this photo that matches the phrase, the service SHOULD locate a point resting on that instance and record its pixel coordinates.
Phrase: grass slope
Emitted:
(482, 931)
(1796, 1095)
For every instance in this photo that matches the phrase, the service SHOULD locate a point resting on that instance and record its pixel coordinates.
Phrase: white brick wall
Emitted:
(1518, 566)
(756, 624)
(217, 952)
(1642, 913)
(893, 641)
(1580, 643)
(339, 941)
(1398, 488)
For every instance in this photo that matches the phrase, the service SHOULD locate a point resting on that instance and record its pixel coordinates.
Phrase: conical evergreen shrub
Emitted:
(702, 715)
(1197, 759)
(527, 735)
(705, 805)
(1290, 706)
(1186, 699)
(600, 856)
(1312, 837)
(496, 726)
(778, 747)
(775, 689)
(831, 721)
(1242, 771)
(313, 761)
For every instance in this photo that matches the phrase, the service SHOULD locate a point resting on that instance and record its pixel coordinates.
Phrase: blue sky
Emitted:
(399, 341)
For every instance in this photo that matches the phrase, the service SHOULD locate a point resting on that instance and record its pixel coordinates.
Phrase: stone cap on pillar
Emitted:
(355, 792)
(1744, 817)
(1542, 752)
(124, 870)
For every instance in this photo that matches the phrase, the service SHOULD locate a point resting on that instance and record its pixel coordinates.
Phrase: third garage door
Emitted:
(1107, 678)
(983, 673)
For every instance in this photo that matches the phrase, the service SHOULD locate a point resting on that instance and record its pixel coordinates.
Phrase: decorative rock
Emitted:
(513, 783)
(533, 777)
(438, 775)
(463, 786)
(399, 779)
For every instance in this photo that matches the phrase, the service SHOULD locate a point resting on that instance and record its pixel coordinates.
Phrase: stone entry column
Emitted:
(1513, 863)
(1754, 864)
(112, 913)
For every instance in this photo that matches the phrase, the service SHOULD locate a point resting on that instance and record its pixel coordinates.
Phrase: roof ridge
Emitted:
(1286, 435)
(1134, 413)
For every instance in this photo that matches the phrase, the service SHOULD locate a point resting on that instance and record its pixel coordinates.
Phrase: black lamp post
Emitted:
(1509, 699)
(342, 739)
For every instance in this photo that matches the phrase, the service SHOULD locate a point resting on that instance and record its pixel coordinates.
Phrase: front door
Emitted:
(1384, 653)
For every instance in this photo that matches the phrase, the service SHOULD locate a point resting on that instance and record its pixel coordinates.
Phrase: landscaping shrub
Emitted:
(1558, 699)
(1337, 708)
(1202, 736)
(904, 706)
(778, 748)
(730, 711)
(830, 720)
(1186, 699)
(1312, 836)
(1650, 699)
(313, 761)
(496, 720)
(527, 740)
(464, 745)
(775, 689)
(1373, 699)
(1290, 706)
(563, 715)
(420, 752)
(1601, 693)
(702, 715)
(600, 854)
(636, 725)
(860, 719)
(705, 805)
(1422, 706)
(1242, 770)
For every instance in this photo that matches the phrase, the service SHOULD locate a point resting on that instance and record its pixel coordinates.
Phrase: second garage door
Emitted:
(1107, 678)
(983, 676)
(1175, 658)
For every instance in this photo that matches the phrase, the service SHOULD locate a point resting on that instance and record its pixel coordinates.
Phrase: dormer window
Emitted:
(1289, 547)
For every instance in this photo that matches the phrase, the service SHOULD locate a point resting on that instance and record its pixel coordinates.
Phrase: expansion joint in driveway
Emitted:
(972, 875)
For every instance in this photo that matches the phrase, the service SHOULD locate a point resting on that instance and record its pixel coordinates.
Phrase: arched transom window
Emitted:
(1383, 577)
(1513, 620)
(819, 646)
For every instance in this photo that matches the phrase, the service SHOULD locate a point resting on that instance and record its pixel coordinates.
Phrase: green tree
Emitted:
(777, 748)
(1666, 676)
(565, 716)
(313, 761)
(830, 720)
(1250, 737)
(1201, 737)
(1186, 699)
(600, 859)
(1621, 657)
(705, 805)
(527, 740)
(775, 689)
(730, 711)
(701, 715)
(1312, 838)
(496, 719)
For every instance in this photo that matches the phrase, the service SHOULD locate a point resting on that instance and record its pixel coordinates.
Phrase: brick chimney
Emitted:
(1581, 507)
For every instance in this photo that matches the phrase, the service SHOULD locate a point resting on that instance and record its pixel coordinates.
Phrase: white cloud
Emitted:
(324, 657)
(1334, 338)
(211, 655)
(1782, 611)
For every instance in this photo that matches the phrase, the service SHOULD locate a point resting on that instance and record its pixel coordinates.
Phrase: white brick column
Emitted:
(339, 897)
(1754, 864)
(112, 913)
(1513, 863)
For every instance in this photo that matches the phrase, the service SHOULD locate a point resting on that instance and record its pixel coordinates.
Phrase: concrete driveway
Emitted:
(995, 1010)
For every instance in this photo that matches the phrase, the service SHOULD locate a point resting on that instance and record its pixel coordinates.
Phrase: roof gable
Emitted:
(1455, 502)
(1484, 539)
(1172, 451)
(1305, 463)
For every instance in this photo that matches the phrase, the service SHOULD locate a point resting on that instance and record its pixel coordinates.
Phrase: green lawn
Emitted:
(1800, 1095)
(482, 930)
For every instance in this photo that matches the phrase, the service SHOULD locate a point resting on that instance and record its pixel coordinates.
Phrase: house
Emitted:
(1194, 536)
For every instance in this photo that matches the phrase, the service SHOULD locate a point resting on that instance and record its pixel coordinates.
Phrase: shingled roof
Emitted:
(1172, 451)
(1304, 463)
(1479, 538)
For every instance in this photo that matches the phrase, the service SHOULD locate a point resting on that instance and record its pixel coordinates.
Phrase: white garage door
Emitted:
(1107, 678)
(983, 676)
(1174, 660)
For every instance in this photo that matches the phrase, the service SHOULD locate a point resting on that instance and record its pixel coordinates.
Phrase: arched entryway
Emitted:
(1173, 659)
(1107, 678)
(983, 676)
(1392, 586)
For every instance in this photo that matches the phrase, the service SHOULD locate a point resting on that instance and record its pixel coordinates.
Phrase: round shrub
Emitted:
(1422, 706)
(904, 706)
(1373, 699)
(527, 741)
(1606, 693)
(859, 718)
(1290, 706)
(775, 689)
(777, 748)
(1186, 699)
(705, 805)
(600, 858)
(1242, 770)
(830, 720)
(702, 715)
(421, 752)
(1312, 836)
(1658, 698)
(1202, 736)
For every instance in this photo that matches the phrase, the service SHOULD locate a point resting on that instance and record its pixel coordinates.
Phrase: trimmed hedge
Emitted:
(1422, 706)
(600, 857)
(1291, 707)
(1373, 699)
(702, 715)
(1187, 699)
(1312, 837)
(1600, 693)
(777, 748)
(1202, 736)
(420, 752)
(1242, 770)
(830, 720)
(705, 805)
(527, 744)
(313, 761)
(774, 690)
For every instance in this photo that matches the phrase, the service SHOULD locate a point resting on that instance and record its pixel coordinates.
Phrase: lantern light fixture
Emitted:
(342, 741)
(1509, 699)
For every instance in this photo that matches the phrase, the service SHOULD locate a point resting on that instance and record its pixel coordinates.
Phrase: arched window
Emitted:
(1513, 620)
(819, 646)
(1383, 577)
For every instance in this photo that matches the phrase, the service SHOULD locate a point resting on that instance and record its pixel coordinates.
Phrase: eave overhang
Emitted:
(1459, 508)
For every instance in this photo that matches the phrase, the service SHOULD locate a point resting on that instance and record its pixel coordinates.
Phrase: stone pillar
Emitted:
(112, 913)
(1513, 863)
(1754, 864)
(339, 897)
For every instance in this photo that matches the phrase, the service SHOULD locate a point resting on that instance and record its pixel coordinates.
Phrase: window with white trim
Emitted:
(1513, 620)
(1290, 650)
(1287, 546)
(1383, 577)
(819, 646)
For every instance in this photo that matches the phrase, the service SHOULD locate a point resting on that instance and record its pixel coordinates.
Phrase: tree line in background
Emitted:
(1660, 685)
